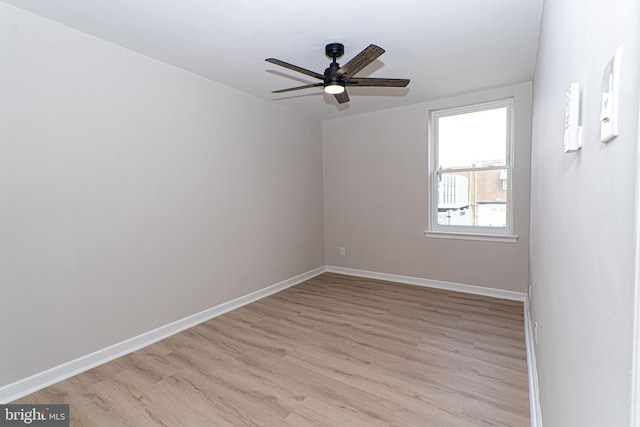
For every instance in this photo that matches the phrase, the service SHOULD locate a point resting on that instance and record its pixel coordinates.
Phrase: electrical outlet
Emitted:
(535, 333)
(343, 251)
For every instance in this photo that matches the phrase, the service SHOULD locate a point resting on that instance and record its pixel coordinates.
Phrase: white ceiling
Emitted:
(446, 47)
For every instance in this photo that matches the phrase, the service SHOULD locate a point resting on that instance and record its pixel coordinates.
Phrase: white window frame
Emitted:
(470, 232)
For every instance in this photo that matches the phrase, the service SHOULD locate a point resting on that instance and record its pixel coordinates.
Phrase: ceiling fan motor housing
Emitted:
(330, 73)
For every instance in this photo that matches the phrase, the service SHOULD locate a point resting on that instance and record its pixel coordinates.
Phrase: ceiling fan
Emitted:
(336, 78)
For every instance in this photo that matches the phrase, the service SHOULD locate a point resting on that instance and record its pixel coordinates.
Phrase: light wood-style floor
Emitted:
(333, 351)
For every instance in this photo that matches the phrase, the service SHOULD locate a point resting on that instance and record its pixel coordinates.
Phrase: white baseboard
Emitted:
(18, 389)
(418, 281)
(23, 387)
(535, 411)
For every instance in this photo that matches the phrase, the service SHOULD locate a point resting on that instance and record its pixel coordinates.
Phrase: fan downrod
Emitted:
(334, 50)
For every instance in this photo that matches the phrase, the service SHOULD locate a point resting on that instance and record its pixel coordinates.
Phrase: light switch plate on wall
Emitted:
(610, 93)
(572, 128)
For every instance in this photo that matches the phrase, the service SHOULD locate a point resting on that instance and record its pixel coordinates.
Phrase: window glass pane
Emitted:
(473, 139)
(475, 198)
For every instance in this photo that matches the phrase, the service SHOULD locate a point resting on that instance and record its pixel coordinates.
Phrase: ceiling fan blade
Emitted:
(342, 97)
(295, 68)
(358, 62)
(367, 81)
(298, 88)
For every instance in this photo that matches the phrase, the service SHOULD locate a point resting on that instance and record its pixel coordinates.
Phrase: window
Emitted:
(470, 177)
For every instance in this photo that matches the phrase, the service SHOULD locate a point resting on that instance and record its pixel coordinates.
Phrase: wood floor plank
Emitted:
(335, 350)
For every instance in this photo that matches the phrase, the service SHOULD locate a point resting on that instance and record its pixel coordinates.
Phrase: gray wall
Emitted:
(376, 193)
(133, 193)
(583, 231)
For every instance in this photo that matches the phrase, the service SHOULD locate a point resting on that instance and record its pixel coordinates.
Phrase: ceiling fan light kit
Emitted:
(336, 78)
(334, 88)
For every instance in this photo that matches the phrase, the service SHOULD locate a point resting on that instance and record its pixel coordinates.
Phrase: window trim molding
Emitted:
(456, 235)
(497, 234)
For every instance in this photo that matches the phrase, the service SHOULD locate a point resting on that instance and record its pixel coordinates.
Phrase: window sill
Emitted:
(502, 238)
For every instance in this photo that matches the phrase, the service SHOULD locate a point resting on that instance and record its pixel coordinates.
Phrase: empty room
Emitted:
(300, 213)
